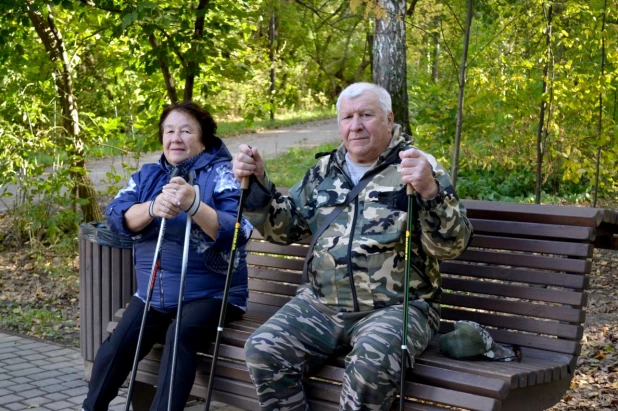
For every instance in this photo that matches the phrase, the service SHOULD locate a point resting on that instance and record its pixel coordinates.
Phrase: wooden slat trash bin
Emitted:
(106, 284)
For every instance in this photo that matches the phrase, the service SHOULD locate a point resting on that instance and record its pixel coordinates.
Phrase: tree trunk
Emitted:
(389, 59)
(600, 123)
(271, 38)
(436, 51)
(167, 76)
(539, 135)
(193, 66)
(52, 39)
(460, 100)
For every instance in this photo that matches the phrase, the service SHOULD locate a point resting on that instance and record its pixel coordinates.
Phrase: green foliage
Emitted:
(120, 88)
(289, 168)
(42, 322)
(503, 92)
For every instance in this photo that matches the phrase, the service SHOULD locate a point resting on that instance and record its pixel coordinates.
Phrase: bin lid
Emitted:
(98, 232)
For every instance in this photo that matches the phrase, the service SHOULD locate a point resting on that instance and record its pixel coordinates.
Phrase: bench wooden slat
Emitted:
(533, 230)
(256, 235)
(275, 262)
(275, 288)
(572, 298)
(270, 248)
(515, 323)
(574, 281)
(528, 309)
(328, 392)
(527, 340)
(559, 215)
(518, 375)
(526, 260)
(275, 275)
(268, 299)
(532, 245)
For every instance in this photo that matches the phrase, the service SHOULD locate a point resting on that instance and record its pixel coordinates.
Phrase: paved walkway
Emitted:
(43, 376)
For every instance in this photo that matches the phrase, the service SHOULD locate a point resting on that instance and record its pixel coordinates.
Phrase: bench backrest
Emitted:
(523, 275)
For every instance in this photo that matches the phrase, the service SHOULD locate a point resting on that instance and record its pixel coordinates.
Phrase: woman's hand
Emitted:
(176, 196)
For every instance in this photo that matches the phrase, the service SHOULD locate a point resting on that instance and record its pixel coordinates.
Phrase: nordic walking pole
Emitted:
(151, 281)
(406, 294)
(244, 187)
(181, 293)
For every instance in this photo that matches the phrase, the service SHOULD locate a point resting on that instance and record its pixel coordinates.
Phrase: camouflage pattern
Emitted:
(358, 262)
(292, 343)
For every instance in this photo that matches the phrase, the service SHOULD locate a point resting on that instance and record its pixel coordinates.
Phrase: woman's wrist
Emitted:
(194, 206)
(151, 209)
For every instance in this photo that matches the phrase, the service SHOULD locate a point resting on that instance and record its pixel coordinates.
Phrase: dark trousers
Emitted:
(114, 359)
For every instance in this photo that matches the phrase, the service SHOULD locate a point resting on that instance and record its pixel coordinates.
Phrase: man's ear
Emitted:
(391, 120)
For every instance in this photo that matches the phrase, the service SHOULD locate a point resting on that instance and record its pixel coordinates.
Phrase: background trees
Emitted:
(84, 77)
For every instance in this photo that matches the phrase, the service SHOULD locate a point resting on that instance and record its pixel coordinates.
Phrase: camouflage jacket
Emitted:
(358, 261)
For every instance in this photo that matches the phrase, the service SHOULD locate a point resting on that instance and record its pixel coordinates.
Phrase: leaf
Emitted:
(128, 19)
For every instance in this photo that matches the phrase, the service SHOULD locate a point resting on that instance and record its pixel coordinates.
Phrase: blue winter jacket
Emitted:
(208, 258)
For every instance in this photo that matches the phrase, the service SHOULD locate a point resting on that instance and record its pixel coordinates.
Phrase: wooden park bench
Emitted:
(524, 277)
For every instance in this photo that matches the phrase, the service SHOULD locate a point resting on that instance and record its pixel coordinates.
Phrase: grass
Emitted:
(289, 168)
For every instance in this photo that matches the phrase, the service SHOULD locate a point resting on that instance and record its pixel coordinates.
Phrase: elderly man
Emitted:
(353, 298)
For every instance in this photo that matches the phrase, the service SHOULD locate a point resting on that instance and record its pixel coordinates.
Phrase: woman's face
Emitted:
(182, 137)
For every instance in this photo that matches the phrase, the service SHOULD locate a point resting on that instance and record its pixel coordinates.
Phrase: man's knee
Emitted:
(259, 352)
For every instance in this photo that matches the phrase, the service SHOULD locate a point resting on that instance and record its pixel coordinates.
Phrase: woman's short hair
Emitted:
(208, 126)
(356, 89)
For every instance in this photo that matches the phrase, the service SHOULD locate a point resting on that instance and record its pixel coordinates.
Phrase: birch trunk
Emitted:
(389, 59)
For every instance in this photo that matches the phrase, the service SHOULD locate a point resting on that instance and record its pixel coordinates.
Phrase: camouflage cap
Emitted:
(470, 339)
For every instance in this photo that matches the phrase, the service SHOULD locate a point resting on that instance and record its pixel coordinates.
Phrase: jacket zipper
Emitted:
(350, 271)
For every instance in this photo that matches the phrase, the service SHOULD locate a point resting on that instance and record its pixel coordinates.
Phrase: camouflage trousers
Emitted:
(304, 333)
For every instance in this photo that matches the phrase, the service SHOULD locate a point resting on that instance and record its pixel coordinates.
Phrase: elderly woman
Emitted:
(187, 133)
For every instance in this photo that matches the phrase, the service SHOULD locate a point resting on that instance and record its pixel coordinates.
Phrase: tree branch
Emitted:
(454, 15)
(411, 9)
(193, 68)
(495, 37)
(167, 76)
(104, 8)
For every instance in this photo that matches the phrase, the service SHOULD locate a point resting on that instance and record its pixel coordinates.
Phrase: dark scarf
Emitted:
(184, 167)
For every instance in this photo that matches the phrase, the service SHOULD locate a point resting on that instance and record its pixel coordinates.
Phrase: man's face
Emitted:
(365, 128)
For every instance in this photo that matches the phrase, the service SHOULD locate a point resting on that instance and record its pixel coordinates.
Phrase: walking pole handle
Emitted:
(244, 183)
(410, 190)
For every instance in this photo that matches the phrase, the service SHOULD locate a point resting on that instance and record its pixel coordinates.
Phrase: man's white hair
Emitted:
(354, 90)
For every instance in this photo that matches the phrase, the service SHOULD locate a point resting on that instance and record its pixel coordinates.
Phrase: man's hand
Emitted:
(416, 171)
(248, 161)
